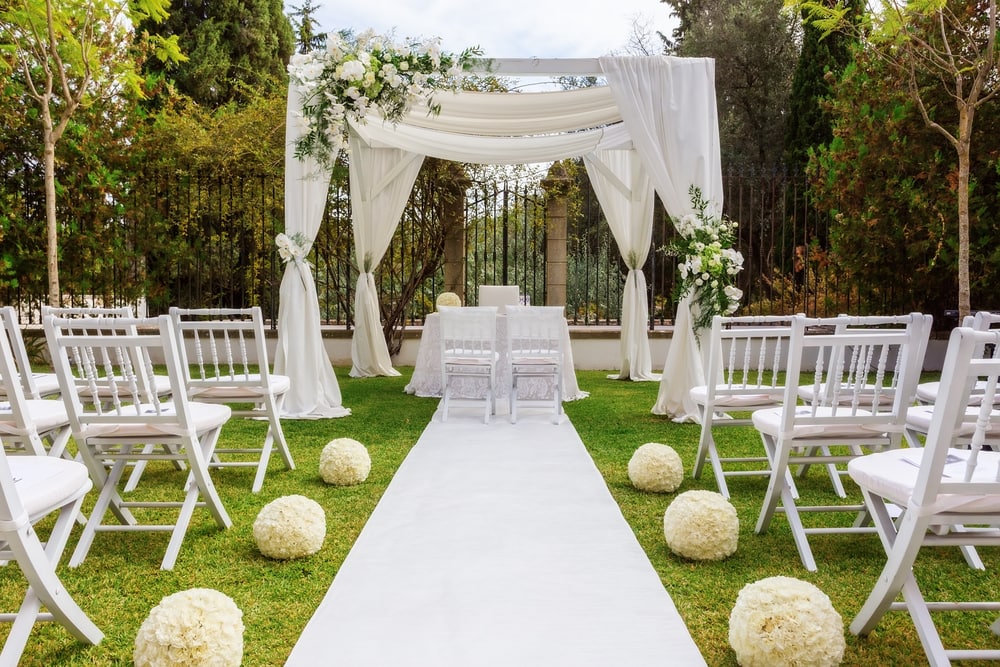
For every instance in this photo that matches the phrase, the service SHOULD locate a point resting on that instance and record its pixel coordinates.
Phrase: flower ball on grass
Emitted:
(344, 462)
(782, 621)
(290, 527)
(449, 299)
(655, 467)
(701, 525)
(199, 626)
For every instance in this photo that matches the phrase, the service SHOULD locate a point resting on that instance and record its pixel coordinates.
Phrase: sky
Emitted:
(505, 29)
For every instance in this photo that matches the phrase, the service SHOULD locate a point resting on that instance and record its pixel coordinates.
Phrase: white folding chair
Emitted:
(984, 320)
(937, 487)
(535, 353)
(31, 488)
(28, 425)
(857, 365)
(746, 360)
(469, 357)
(35, 385)
(106, 381)
(228, 363)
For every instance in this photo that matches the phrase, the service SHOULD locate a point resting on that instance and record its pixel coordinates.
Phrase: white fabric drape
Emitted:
(626, 195)
(300, 353)
(668, 106)
(381, 180)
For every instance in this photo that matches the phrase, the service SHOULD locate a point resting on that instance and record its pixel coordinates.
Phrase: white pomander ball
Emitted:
(449, 299)
(199, 626)
(782, 621)
(701, 525)
(344, 462)
(290, 527)
(655, 467)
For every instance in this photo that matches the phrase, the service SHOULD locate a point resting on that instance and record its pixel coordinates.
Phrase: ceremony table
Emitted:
(426, 380)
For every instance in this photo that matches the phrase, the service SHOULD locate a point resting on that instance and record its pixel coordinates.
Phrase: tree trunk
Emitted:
(52, 249)
(963, 148)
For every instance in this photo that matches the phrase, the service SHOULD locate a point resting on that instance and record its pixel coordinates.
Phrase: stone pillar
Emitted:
(557, 184)
(453, 218)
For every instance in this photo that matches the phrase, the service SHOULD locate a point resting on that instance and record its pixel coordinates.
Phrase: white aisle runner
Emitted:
(500, 545)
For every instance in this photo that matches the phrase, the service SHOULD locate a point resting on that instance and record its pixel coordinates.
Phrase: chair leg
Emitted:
(512, 399)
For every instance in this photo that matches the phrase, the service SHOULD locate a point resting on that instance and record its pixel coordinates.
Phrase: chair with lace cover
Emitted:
(535, 351)
(468, 352)
(864, 375)
(31, 489)
(107, 385)
(937, 487)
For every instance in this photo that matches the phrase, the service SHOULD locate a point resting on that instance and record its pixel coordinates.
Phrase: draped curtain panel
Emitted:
(300, 352)
(658, 112)
(626, 195)
(668, 105)
(381, 180)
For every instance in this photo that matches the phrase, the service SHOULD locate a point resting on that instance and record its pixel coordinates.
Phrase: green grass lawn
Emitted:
(120, 581)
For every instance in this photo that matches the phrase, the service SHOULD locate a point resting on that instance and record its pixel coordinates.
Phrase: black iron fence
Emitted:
(197, 239)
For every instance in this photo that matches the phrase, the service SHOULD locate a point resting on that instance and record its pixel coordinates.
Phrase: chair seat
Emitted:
(769, 421)
(205, 416)
(918, 418)
(768, 396)
(927, 392)
(203, 389)
(44, 483)
(44, 414)
(892, 475)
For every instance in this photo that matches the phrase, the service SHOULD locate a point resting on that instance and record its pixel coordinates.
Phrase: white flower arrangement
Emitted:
(193, 628)
(449, 299)
(701, 525)
(344, 462)
(290, 527)
(708, 263)
(656, 467)
(366, 72)
(782, 621)
(292, 248)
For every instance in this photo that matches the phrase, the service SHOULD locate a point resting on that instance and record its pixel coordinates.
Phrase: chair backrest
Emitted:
(469, 331)
(222, 345)
(535, 331)
(864, 370)
(500, 296)
(961, 479)
(12, 333)
(747, 355)
(106, 376)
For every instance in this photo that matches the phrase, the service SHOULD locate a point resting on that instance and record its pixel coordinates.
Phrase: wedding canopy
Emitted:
(652, 128)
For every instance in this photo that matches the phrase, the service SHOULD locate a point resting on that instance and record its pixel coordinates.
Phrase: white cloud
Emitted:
(511, 29)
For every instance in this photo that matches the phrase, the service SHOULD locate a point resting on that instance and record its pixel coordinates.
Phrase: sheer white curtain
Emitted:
(300, 353)
(668, 105)
(626, 195)
(381, 180)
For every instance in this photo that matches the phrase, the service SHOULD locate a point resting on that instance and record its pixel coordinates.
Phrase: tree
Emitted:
(304, 21)
(234, 48)
(67, 55)
(947, 46)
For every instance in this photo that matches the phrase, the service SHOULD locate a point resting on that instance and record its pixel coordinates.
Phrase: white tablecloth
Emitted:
(426, 380)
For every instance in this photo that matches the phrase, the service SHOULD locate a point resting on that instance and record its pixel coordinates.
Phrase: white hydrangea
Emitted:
(701, 525)
(290, 527)
(199, 627)
(448, 299)
(344, 462)
(783, 621)
(656, 467)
